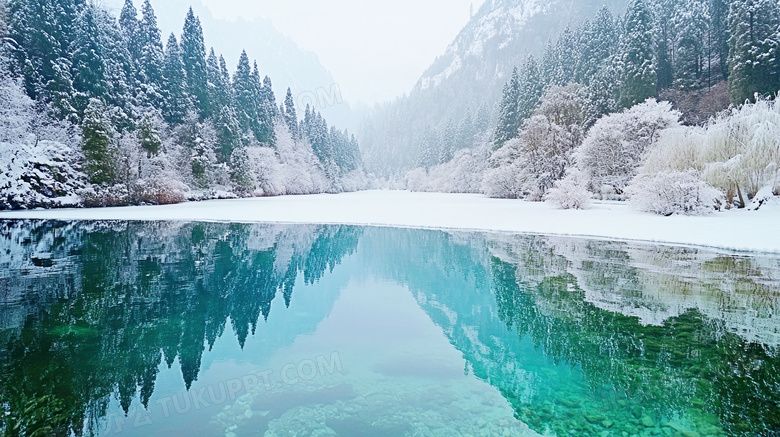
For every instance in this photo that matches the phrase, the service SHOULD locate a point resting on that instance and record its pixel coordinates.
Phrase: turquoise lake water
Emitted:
(205, 329)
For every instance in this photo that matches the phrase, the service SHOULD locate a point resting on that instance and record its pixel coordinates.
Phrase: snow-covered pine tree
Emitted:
(602, 93)
(466, 131)
(241, 170)
(229, 133)
(639, 69)
(149, 136)
(428, 150)
(753, 54)
(482, 119)
(98, 144)
(598, 41)
(88, 59)
(664, 12)
(214, 81)
(41, 31)
(564, 58)
(509, 118)
(131, 36)
(244, 93)
(119, 76)
(306, 123)
(290, 115)
(176, 101)
(532, 86)
(449, 140)
(718, 39)
(268, 109)
(691, 26)
(152, 53)
(193, 55)
(3, 24)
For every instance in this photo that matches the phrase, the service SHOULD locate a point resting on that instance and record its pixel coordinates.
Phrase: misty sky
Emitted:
(376, 50)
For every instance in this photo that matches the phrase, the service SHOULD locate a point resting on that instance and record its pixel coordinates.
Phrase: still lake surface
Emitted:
(205, 329)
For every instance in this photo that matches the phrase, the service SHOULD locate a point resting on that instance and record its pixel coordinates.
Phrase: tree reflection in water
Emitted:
(581, 337)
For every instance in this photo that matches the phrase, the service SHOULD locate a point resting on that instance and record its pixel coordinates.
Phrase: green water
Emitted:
(152, 329)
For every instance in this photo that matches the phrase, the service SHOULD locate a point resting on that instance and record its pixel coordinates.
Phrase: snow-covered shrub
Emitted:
(571, 192)
(546, 152)
(674, 192)
(43, 174)
(95, 196)
(504, 177)
(615, 146)
(356, 180)
(289, 169)
(462, 174)
(160, 191)
(742, 152)
(677, 149)
(764, 196)
(17, 111)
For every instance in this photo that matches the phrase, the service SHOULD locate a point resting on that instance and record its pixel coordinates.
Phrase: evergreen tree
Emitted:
(149, 137)
(665, 12)
(193, 54)
(564, 55)
(152, 53)
(305, 125)
(128, 22)
(639, 74)
(482, 120)
(531, 89)
(429, 154)
(88, 63)
(692, 24)
(119, 76)
(175, 102)
(290, 115)
(42, 31)
(719, 36)
(3, 24)
(598, 42)
(449, 140)
(219, 83)
(241, 171)
(753, 54)
(214, 81)
(229, 132)
(509, 118)
(245, 95)
(98, 144)
(268, 110)
(602, 94)
(466, 131)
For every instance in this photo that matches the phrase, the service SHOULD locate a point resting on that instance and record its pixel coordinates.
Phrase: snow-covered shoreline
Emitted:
(742, 231)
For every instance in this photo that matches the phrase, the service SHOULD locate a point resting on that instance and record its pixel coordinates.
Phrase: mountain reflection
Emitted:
(581, 337)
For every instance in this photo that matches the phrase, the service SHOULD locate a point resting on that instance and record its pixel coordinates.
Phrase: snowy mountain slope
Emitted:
(472, 71)
(503, 32)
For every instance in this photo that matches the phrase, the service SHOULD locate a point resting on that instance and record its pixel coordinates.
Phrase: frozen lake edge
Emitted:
(739, 231)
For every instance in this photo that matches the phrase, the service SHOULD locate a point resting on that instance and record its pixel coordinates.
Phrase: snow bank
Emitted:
(734, 230)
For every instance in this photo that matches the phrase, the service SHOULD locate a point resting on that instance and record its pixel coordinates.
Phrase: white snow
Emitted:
(737, 230)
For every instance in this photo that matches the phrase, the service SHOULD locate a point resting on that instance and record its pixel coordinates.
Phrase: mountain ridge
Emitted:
(470, 73)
